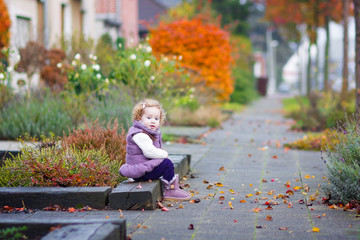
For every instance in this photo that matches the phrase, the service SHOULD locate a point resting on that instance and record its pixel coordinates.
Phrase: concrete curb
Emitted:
(79, 228)
(40, 197)
(124, 196)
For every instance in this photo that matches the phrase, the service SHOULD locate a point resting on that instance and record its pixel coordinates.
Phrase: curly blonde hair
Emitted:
(138, 110)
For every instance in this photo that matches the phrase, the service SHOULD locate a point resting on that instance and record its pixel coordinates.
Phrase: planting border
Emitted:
(124, 196)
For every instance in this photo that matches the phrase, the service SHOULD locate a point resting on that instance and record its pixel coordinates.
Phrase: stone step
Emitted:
(124, 196)
(127, 195)
(75, 229)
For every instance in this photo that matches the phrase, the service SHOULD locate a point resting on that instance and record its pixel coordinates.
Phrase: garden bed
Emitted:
(124, 196)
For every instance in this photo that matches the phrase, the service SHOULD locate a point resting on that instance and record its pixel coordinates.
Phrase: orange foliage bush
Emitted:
(4, 25)
(205, 51)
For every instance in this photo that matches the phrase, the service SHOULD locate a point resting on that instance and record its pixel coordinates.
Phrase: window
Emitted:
(23, 30)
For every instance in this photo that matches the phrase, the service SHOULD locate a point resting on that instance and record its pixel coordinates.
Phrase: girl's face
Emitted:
(151, 118)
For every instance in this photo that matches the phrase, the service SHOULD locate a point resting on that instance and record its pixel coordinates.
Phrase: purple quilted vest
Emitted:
(136, 163)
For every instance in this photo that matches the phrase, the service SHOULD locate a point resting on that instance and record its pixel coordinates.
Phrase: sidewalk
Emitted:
(257, 168)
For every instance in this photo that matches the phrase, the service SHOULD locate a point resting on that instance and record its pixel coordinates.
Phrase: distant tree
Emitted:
(357, 57)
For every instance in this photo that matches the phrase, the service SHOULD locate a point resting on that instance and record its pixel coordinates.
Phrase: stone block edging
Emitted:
(101, 229)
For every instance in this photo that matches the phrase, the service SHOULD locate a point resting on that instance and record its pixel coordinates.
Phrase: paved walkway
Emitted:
(233, 202)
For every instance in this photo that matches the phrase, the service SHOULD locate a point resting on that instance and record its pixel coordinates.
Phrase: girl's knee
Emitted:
(169, 163)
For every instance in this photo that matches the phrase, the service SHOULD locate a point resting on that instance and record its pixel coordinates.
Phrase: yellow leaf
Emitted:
(307, 176)
(250, 185)
(315, 229)
(256, 210)
(243, 201)
(219, 184)
(222, 168)
(230, 205)
(231, 191)
(248, 195)
(222, 192)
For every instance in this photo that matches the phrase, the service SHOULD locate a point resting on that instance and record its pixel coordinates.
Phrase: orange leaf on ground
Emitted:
(275, 157)
(219, 184)
(256, 210)
(283, 228)
(315, 229)
(307, 176)
(71, 210)
(222, 168)
(269, 218)
(243, 201)
(230, 205)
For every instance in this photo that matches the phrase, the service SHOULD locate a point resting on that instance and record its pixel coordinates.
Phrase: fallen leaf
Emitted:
(206, 182)
(275, 157)
(210, 195)
(222, 168)
(301, 201)
(290, 192)
(248, 195)
(222, 198)
(269, 208)
(286, 149)
(249, 155)
(315, 229)
(191, 227)
(222, 192)
(107, 217)
(231, 191)
(235, 221)
(271, 192)
(256, 210)
(197, 200)
(210, 186)
(164, 209)
(219, 184)
(269, 218)
(283, 228)
(230, 205)
(263, 180)
(243, 201)
(307, 176)
(258, 226)
(250, 185)
(264, 198)
(71, 210)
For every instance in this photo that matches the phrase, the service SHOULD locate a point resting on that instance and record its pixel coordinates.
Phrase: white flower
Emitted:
(91, 56)
(152, 78)
(107, 81)
(147, 63)
(73, 63)
(59, 65)
(133, 57)
(148, 49)
(96, 67)
(98, 75)
(9, 68)
(140, 46)
(120, 45)
(18, 57)
(2, 76)
(166, 59)
(180, 57)
(77, 56)
(83, 66)
(94, 57)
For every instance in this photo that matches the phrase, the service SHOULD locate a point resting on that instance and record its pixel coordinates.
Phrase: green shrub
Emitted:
(141, 75)
(244, 89)
(343, 165)
(321, 110)
(13, 233)
(42, 113)
(204, 116)
(116, 105)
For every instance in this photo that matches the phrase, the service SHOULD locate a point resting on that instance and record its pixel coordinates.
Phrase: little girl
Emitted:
(145, 159)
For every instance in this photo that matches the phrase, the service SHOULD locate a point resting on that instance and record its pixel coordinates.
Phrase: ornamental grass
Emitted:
(343, 165)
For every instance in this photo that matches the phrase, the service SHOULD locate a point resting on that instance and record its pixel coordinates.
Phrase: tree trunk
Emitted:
(357, 54)
(326, 60)
(345, 73)
(308, 72)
